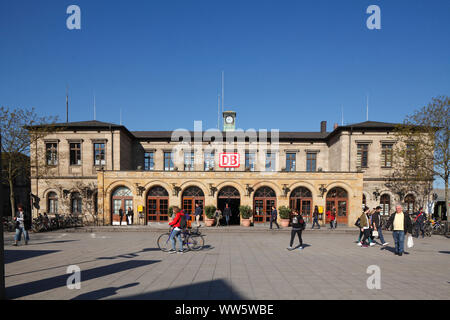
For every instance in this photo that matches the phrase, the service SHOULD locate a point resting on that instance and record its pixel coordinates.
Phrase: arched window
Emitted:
(122, 199)
(410, 202)
(52, 203)
(385, 204)
(157, 204)
(301, 200)
(76, 202)
(191, 197)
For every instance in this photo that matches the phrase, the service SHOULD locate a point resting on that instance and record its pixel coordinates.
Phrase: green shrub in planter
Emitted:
(170, 213)
(210, 211)
(246, 212)
(284, 212)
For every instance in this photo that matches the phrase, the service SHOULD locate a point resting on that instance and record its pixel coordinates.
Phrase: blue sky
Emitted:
(288, 64)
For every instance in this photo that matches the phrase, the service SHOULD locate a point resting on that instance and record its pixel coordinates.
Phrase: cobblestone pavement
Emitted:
(128, 265)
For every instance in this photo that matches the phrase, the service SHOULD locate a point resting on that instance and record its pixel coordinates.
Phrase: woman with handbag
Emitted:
(22, 225)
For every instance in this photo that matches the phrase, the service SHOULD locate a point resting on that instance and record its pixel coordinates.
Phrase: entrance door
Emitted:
(231, 196)
(337, 200)
(192, 196)
(122, 198)
(263, 201)
(301, 200)
(157, 204)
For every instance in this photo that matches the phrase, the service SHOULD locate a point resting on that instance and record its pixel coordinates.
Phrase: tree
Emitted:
(422, 151)
(16, 141)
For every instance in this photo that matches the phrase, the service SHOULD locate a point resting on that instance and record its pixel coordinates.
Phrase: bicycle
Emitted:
(193, 240)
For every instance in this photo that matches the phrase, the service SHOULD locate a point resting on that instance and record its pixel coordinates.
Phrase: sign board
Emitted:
(140, 208)
(320, 209)
(229, 160)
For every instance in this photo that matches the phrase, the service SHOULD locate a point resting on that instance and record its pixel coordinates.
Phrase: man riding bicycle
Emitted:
(179, 225)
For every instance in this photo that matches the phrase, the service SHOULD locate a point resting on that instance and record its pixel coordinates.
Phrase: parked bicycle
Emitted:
(192, 240)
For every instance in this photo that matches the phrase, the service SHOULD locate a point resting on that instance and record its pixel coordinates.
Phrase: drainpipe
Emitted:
(350, 148)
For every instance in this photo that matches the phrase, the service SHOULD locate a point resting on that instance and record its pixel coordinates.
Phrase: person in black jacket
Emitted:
(377, 225)
(227, 214)
(298, 224)
(273, 217)
(121, 216)
(315, 217)
(401, 225)
(420, 219)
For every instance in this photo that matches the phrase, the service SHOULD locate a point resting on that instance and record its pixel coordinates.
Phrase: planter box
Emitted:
(209, 222)
(284, 223)
(245, 222)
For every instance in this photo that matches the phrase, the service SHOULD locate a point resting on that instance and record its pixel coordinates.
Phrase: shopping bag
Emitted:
(375, 233)
(410, 243)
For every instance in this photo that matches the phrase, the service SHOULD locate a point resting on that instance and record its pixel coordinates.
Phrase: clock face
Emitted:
(229, 119)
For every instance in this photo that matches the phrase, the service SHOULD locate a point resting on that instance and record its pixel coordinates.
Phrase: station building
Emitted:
(97, 168)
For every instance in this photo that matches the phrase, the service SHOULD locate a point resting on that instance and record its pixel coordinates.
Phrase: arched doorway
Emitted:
(157, 204)
(122, 198)
(337, 199)
(410, 203)
(192, 196)
(301, 200)
(263, 200)
(231, 196)
(385, 204)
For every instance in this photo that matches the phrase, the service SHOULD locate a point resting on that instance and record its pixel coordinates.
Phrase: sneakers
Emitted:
(15, 244)
(400, 254)
(372, 244)
(300, 248)
(365, 246)
(180, 252)
(359, 244)
(172, 251)
(385, 244)
(289, 248)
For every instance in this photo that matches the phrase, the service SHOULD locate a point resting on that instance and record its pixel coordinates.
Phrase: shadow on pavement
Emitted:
(103, 293)
(17, 255)
(447, 252)
(208, 290)
(37, 286)
(57, 241)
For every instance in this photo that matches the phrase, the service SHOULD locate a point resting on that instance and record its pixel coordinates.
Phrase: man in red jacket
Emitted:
(176, 232)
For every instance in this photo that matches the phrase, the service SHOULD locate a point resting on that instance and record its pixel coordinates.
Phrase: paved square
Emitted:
(234, 265)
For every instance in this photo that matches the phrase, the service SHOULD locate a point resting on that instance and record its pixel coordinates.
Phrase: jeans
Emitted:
(18, 235)
(197, 218)
(380, 234)
(293, 233)
(366, 236)
(316, 221)
(274, 220)
(419, 226)
(176, 234)
(227, 218)
(399, 239)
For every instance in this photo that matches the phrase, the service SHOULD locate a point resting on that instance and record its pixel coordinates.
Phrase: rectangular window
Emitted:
(362, 155)
(386, 155)
(249, 161)
(99, 154)
(168, 161)
(52, 153)
(411, 155)
(189, 161)
(311, 161)
(208, 161)
(75, 154)
(149, 161)
(270, 161)
(290, 161)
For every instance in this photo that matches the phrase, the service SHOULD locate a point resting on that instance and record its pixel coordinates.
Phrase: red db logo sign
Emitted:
(229, 160)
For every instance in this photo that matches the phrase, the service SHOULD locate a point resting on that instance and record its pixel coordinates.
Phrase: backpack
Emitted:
(183, 223)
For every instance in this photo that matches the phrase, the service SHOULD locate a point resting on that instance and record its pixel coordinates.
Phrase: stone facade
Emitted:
(336, 165)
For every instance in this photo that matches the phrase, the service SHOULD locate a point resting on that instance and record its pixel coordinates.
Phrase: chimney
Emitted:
(323, 126)
(335, 126)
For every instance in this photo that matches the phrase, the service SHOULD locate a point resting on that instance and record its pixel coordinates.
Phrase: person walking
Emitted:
(273, 217)
(198, 212)
(377, 225)
(218, 216)
(121, 216)
(420, 221)
(316, 217)
(227, 214)
(298, 225)
(401, 225)
(130, 216)
(364, 223)
(23, 225)
(333, 214)
(177, 224)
